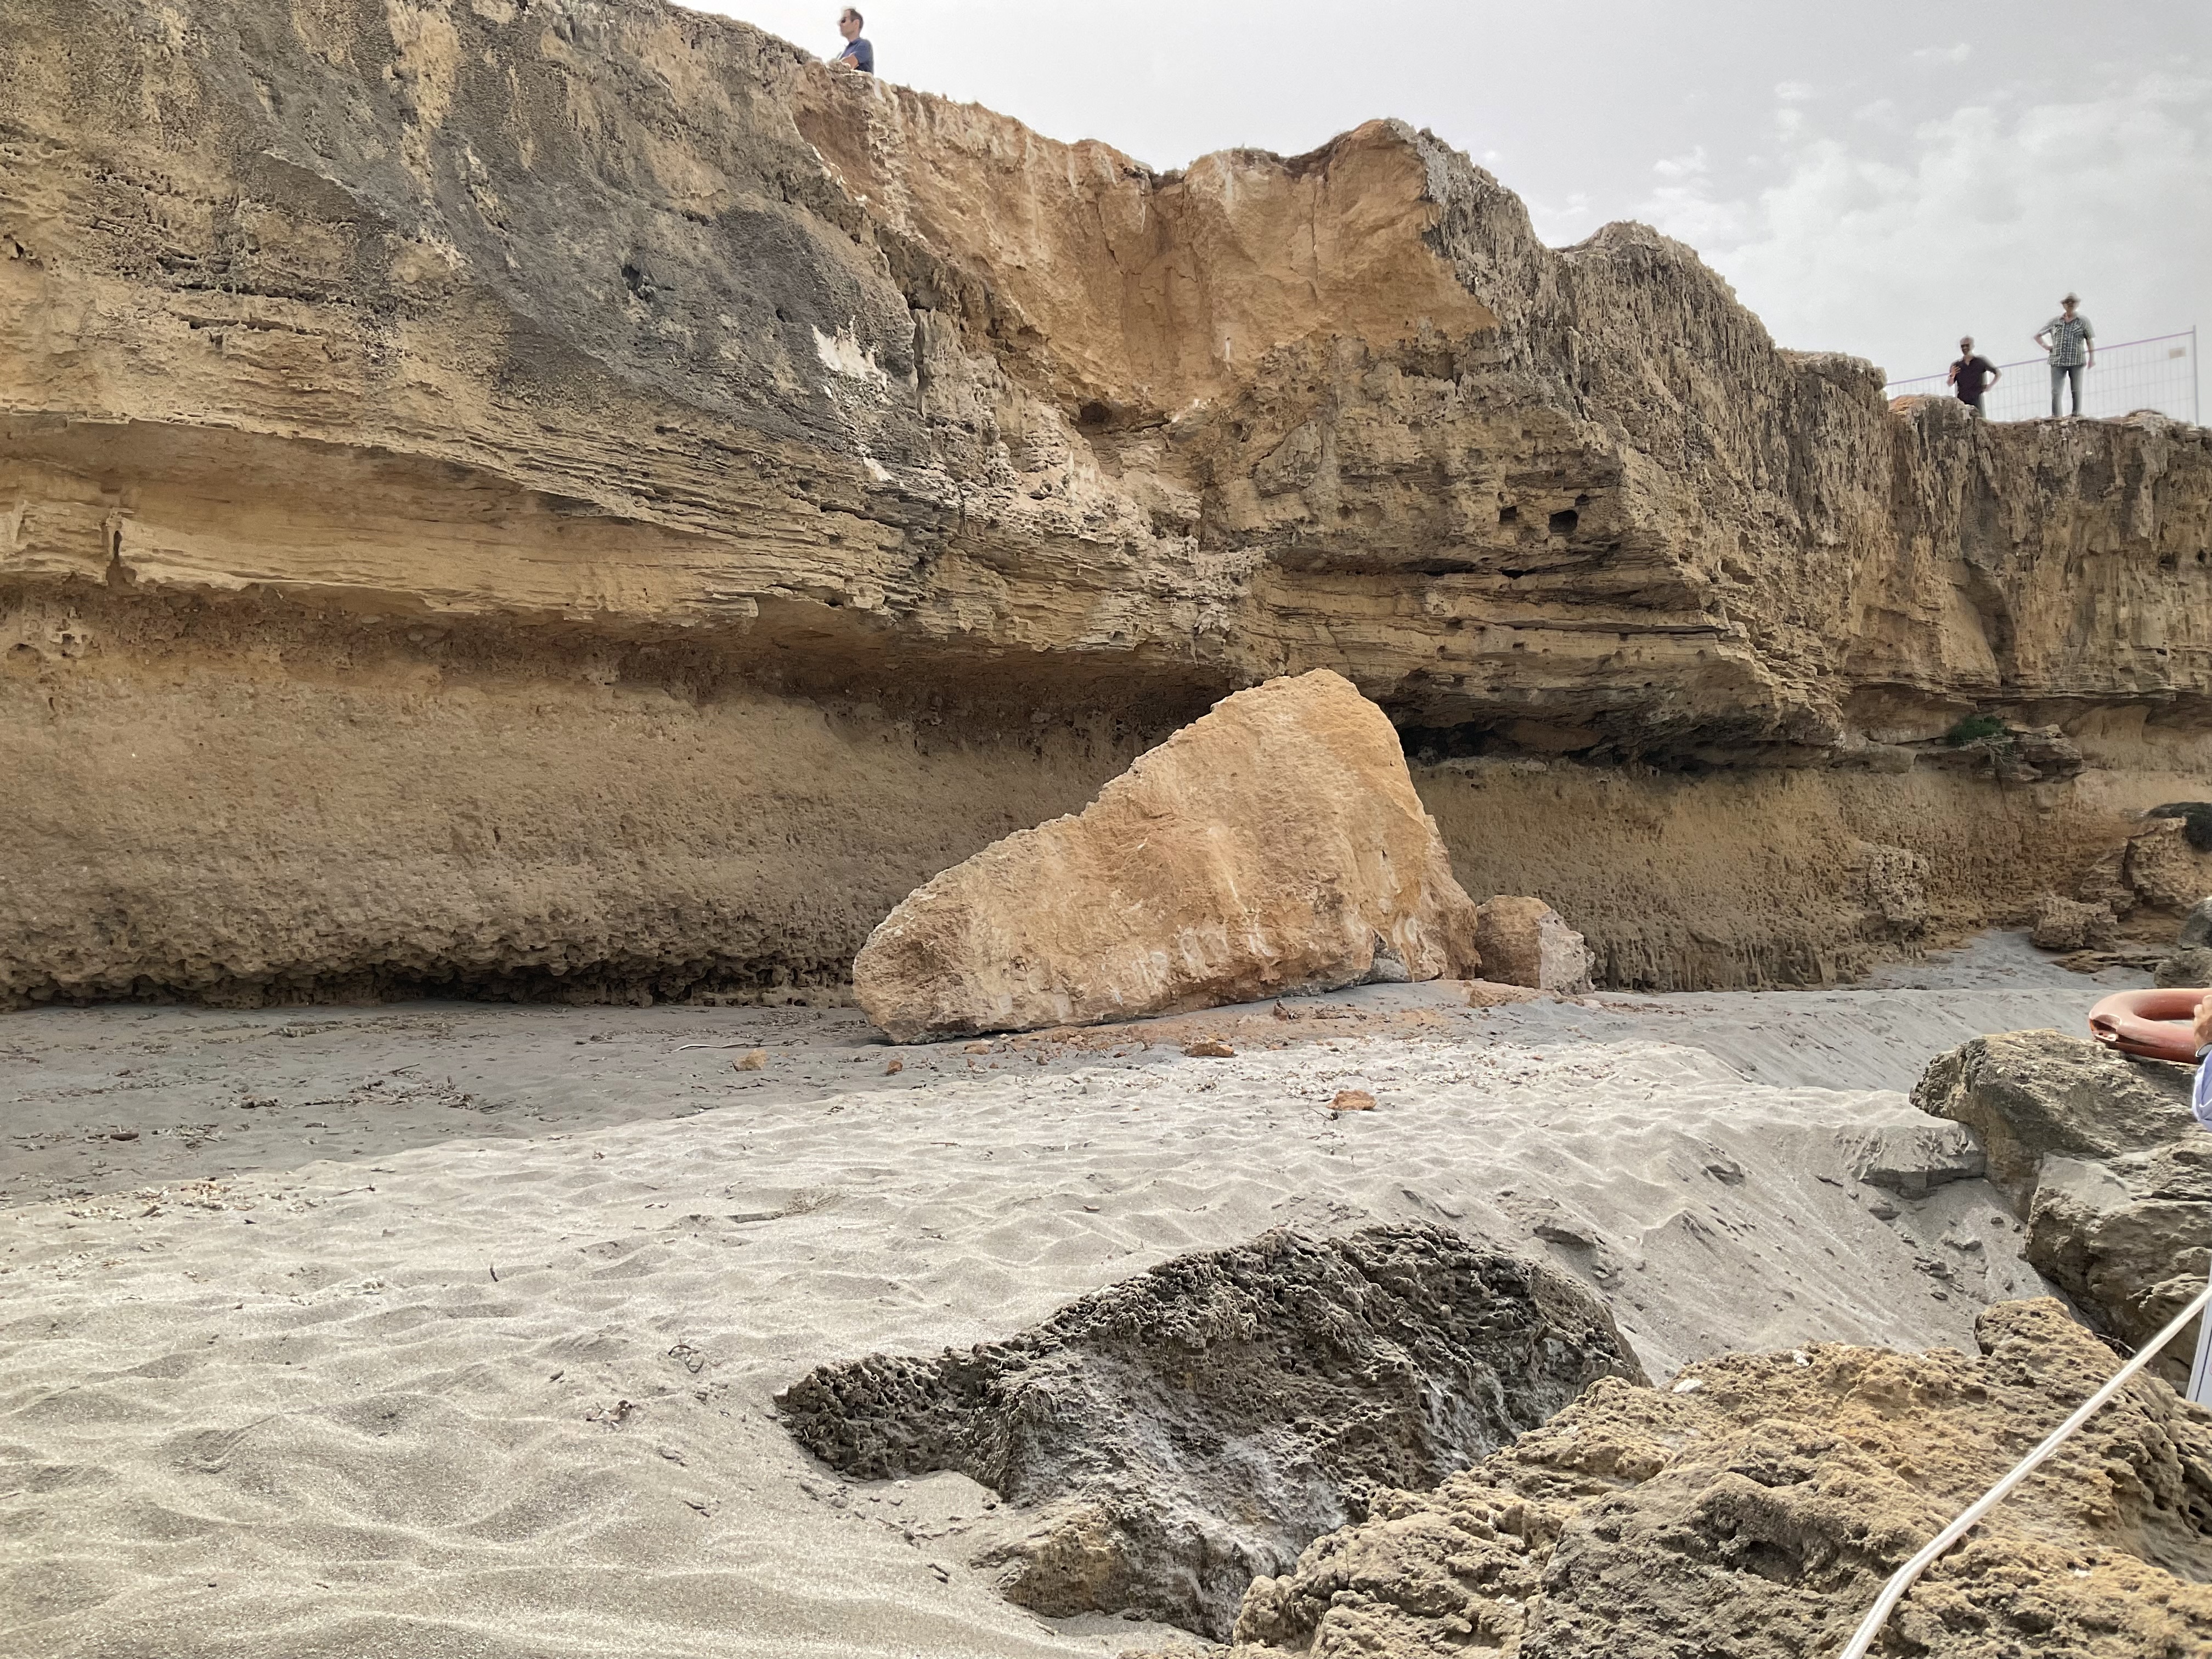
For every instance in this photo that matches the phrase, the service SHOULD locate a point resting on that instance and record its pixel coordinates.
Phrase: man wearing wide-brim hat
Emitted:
(2072, 344)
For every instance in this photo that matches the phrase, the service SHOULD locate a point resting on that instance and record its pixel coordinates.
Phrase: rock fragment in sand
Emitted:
(2064, 924)
(1165, 1439)
(753, 1059)
(1276, 844)
(2101, 1158)
(1523, 941)
(1913, 1157)
(1755, 1510)
(1490, 994)
(1209, 1048)
(1352, 1100)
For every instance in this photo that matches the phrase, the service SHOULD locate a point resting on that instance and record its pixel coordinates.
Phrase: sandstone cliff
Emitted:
(513, 494)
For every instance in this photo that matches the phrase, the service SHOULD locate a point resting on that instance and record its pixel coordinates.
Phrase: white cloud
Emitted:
(1793, 92)
(1682, 166)
(1977, 225)
(1567, 220)
(1957, 53)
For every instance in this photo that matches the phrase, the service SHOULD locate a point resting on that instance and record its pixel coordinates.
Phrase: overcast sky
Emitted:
(1875, 177)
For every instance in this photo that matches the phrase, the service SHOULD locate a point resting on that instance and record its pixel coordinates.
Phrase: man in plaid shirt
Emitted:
(2072, 344)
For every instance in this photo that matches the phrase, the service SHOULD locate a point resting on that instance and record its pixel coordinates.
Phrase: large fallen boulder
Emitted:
(2102, 1159)
(1754, 1509)
(1167, 1439)
(1524, 941)
(1274, 845)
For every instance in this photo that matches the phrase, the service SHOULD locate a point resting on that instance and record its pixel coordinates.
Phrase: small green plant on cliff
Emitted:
(1975, 728)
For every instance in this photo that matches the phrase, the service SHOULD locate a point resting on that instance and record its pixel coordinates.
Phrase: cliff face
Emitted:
(497, 494)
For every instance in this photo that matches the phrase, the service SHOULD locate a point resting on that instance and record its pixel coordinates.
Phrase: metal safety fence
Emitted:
(2158, 374)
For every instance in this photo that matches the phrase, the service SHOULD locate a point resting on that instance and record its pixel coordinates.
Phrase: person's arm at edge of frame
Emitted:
(2203, 1024)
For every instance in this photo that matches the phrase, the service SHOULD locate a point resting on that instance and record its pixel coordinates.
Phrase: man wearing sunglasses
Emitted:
(858, 53)
(1973, 375)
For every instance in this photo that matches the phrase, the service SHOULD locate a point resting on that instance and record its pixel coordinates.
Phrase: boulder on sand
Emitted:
(2065, 924)
(2102, 1159)
(1274, 845)
(1524, 941)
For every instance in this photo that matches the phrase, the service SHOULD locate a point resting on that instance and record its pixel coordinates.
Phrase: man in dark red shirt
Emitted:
(1973, 375)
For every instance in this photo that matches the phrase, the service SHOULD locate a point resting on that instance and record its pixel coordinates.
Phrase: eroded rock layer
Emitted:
(2101, 1157)
(1166, 1438)
(1756, 1508)
(590, 470)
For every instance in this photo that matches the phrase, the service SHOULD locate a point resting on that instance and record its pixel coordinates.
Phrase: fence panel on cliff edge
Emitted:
(2159, 372)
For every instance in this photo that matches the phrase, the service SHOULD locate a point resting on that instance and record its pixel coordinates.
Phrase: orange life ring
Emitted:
(2148, 1024)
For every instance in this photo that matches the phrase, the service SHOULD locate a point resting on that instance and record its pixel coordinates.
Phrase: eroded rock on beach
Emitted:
(2101, 1157)
(2064, 924)
(1275, 845)
(1524, 941)
(1754, 1509)
(1166, 1439)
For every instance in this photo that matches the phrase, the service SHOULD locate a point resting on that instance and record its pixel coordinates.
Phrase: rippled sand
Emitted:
(454, 1330)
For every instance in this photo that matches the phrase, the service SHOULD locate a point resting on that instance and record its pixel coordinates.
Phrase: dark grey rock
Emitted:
(2102, 1159)
(2190, 966)
(2197, 927)
(2029, 1094)
(1171, 1437)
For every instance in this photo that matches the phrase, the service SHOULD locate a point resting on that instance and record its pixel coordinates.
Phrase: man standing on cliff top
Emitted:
(2072, 344)
(858, 53)
(1973, 375)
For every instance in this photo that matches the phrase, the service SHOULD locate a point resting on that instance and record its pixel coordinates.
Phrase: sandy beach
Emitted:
(448, 1329)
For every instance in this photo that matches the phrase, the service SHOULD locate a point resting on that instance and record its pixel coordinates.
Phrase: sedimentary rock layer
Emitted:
(515, 456)
(1755, 1508)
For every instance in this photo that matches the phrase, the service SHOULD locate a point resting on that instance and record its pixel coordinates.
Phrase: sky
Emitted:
(1875, 177)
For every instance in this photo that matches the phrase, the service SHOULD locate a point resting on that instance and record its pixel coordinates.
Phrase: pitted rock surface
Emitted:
(1755, 1508)
(1171, 1436)
(2101, 1157)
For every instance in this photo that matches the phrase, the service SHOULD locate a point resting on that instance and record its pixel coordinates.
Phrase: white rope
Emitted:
(1902, 1579)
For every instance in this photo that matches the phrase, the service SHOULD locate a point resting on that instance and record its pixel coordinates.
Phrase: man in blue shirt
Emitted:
(858, 53)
